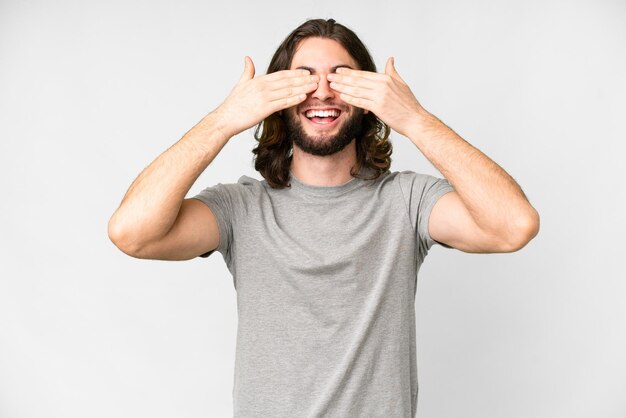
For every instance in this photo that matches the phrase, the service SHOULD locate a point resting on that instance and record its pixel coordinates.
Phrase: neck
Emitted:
(330, 170)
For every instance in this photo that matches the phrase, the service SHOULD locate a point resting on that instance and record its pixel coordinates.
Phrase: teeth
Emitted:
(322, 113)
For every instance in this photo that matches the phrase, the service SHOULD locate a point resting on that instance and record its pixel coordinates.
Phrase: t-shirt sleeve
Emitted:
(421, 192)
(219, 199)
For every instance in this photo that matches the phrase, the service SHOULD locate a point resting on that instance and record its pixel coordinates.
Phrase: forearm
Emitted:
(151, 204)
(493, 198)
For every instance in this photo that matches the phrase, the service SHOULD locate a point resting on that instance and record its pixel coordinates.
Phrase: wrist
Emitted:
(209, 132)
(218, 122)
(423, 125)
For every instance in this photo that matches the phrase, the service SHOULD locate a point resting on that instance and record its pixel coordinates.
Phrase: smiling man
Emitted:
(325, 124)
(325, 250)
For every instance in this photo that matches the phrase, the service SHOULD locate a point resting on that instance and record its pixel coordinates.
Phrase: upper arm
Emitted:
(194, 232)
(451, 223)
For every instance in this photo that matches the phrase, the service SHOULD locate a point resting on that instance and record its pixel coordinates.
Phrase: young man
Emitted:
(325, 250)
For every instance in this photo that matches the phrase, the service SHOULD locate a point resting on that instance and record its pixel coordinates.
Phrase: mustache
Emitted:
(307, 105)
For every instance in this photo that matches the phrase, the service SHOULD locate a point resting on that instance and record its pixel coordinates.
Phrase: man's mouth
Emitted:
(322, 116)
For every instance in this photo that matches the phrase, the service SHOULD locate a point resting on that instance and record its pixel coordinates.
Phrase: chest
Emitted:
(308, 232)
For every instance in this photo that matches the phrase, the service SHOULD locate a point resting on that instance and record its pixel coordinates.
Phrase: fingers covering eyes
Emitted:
(293, 82)
(291, 91)
(361, 82)
(286, 74)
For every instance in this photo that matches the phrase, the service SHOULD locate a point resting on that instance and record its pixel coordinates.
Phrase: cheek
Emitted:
(291, 115)
(291, 112)
(352, 108)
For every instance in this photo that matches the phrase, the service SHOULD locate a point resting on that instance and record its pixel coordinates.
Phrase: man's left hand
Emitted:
(387, 95)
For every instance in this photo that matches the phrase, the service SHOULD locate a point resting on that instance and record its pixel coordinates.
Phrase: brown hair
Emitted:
(274, 151)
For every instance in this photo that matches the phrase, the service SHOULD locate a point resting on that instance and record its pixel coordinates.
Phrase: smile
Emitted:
(327, 117)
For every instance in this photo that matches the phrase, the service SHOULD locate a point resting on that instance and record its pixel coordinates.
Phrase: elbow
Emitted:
(121, 238)
(524, 229)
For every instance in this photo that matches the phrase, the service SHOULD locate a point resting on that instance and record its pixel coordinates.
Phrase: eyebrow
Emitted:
(332, 69)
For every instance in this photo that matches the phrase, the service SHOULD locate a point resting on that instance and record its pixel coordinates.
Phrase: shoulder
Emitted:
(232, 193)
(250, 183)
(245, 185)
(421, 190)
(411, 180)
(249, 191)
(410, 176)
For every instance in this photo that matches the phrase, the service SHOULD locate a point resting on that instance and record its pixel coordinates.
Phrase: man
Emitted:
(325, 251)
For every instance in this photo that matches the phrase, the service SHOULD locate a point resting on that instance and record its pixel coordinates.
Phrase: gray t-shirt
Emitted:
(326, 282)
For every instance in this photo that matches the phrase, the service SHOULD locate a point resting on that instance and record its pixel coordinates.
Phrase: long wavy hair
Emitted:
(274, 151)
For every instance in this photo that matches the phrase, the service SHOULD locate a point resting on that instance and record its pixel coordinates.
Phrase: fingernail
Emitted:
(331, 76)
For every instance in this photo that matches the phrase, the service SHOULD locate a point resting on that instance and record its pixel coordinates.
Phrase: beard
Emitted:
(324, 144)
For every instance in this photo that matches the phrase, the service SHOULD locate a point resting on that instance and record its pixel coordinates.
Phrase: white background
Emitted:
(92, 92)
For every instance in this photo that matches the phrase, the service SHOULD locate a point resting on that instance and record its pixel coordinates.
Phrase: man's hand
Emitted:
(487, 212)
(254, 99)
(387, 95)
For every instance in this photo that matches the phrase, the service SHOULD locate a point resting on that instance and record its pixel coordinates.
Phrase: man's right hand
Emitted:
(154, 219)
(253, 99)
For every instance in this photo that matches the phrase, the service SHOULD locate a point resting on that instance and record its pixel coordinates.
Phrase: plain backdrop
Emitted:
(92, 92)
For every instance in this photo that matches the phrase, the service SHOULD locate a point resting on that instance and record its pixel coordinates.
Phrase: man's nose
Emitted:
(323, 92)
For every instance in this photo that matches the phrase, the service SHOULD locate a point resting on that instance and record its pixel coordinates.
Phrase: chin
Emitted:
(325, 134)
